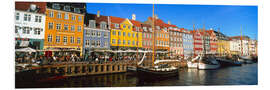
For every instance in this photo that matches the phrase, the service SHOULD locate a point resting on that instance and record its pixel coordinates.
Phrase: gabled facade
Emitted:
(188, 46)
(213, 41)
(197, 42)
(96, 32)
(176, 44)
(223, 44)
(123, 35)
(64, 26)
(147, 38)
(161, 34)
(238, 46)
(30, 24)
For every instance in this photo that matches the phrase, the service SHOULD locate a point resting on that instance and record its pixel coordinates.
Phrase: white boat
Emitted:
(208, 63)
(193, 64)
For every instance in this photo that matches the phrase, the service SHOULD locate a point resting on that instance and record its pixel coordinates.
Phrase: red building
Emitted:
(213, 41)
(198, 42)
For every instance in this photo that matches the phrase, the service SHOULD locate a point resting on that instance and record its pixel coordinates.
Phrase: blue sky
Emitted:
(226, 17)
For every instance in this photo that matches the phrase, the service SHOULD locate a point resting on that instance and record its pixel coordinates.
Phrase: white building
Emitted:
(29, 27)
(235, 46)
(252, 47)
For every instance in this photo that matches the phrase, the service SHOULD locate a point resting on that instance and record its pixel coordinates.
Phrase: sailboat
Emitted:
(242, 58)
(155, 71)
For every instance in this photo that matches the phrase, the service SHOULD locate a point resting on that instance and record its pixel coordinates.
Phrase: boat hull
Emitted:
(192, 65)
(203, 66)
(144, 73)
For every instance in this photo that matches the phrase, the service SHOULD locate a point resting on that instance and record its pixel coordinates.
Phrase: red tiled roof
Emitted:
(24, 6)
(136, 23)
(116, 19)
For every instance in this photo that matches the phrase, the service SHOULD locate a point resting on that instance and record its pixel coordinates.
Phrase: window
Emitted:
(36, 18)
(28, 30)
(93, 33)
(65, 40)
(67, 8)
(51, 14)
(114, 32)
(16, 29)
(65, 27)
(124, 33)
(128, 42)
(66, 15)
(124, 42)
(56, 6)
(24, 30)
(59, 15)
(71, 39)
(119, 41)
(17, 16)
(77, 10)
(37, 31)
(98, 43)
(133, 42)
(105, 43)
(72, 28)
(98, 34)
(133, 35)
(73, 17)
(103, 25)
(93, 43)
(92, 23)
(78, 40)
(39, 19)
(79, 29)
(25, 17)
(129, 35)
(144, 28)
(124, 26)
(87, 43)
(57, 39)
(50, 25)
(49, 38)
(129, 27)
(29, 17)
(116, 25)
(119, 33)
(105, 34)
(113, 41)
(79, 18)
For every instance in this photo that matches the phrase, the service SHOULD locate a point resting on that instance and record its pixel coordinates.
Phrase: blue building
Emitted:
(187, 43)
(96, 33)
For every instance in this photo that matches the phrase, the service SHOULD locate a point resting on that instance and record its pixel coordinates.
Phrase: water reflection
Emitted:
(239, 75)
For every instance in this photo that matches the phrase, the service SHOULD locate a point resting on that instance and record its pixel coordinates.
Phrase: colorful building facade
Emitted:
(176, 44)
(187, 43)
(213, 41)
(123, 35)
(197, 42)
(96, 33)
(64, 26)
(223, 44)
(161, 34)
(147, 38)
(29, 24)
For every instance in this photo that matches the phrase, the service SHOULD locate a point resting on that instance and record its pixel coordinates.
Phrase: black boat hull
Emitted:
(144, 73)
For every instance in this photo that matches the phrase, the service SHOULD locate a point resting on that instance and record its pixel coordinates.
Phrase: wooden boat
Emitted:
(208, 63)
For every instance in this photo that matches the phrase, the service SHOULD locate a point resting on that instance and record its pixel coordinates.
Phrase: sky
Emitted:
(228, 18)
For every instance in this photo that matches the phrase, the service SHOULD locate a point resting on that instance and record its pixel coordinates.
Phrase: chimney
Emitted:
(98, 13)
(169, 22)
(133, 16)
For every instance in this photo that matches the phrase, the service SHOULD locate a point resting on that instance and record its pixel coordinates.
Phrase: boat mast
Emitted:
(153, 34)
(204, 51)
(241, 38)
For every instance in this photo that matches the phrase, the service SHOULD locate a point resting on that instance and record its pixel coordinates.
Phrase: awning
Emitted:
(28, 49)
(24, 44)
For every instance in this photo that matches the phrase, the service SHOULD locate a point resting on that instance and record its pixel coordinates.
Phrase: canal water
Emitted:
(246, 74)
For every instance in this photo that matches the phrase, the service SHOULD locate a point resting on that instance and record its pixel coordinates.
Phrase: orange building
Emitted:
(64, 26)
(161, 34)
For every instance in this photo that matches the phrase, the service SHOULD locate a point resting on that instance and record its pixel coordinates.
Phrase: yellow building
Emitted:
(223, 47)
(64, 27)
(124, 34)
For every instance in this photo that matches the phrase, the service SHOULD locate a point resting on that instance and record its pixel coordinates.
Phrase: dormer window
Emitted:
(150, 29)
(92, 23)
(77, 10)
(116, 25)
(56, 6)
(103, 25)
(137, 28)
(144, 29)
(67, 8)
